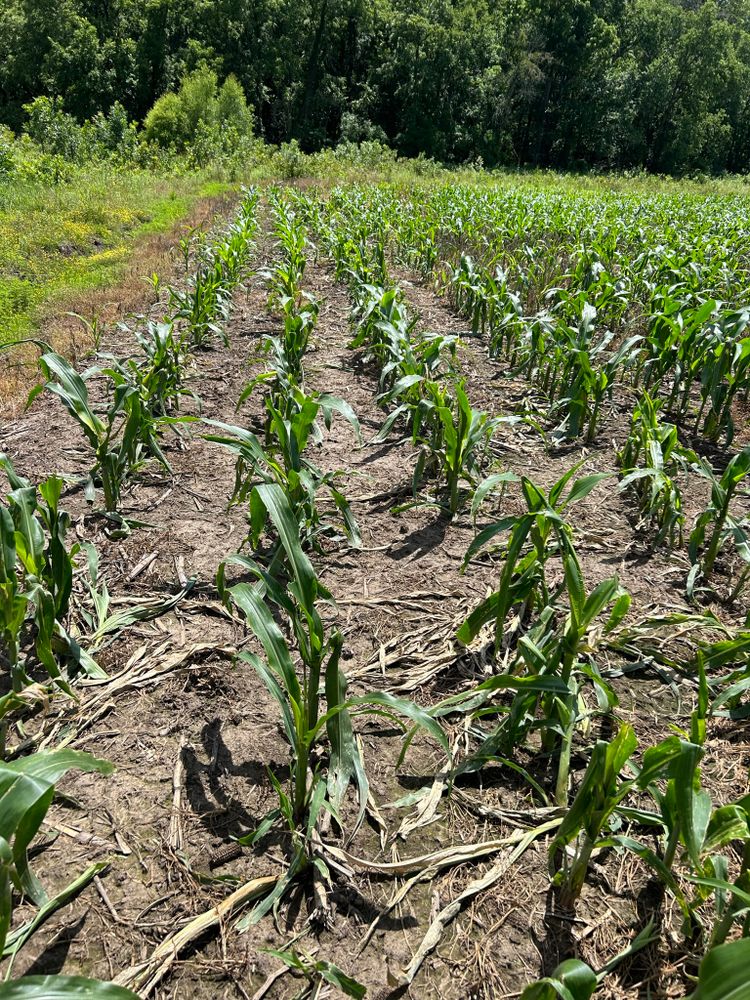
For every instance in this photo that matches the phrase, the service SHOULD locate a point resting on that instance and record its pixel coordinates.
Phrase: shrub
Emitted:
(166, 124)
(53, 129)
(197, 95)
(201, 114)
(7, 162)
(291, 160)
(233, 110)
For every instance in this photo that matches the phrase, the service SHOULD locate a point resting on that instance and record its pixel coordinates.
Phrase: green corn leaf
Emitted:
(582, 487)
(723, 973)
(487, 486)
(15, 941)
(62, 988)
(571, 980)
(280, 512)
(261, 621)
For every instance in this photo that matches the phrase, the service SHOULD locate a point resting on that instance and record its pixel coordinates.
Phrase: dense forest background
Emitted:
(663, 84)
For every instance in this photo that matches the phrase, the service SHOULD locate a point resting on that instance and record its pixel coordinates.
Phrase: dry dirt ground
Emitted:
(192, 734)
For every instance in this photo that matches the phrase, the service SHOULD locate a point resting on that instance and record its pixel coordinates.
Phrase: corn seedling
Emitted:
(531, 543)
(299, 697)
(600, 793)
(282, 462)
(319, 972)
(300, 316)
(459, 441)
(571, 980)
(575, 980)
(36, 575)
(650, 460)
(717, 525)
(26, 790)
(122, 441)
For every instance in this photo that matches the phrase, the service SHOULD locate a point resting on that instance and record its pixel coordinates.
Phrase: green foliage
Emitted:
(571, 980)
(718, 525)
(650, 460)
(122, 441)
(27, 788)
(166, 123)
(578, 84)
(37, 563)
(723, 972)
(62, 988)
(295, 593)
(200, 113)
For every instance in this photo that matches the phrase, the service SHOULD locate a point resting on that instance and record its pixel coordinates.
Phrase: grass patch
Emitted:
(56, 242)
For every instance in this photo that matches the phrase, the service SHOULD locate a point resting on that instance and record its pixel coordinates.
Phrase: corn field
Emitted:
(373, 612)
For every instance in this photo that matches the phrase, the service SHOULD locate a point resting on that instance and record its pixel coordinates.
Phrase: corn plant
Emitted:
(204, 305)
(459, 441)
(650, 460)
(486, 300)
(381, 325)
(717, 524)
(159, 372)
(123, 441)
(286, 276)
(723, 972)
(36, 574)
(300, 316)
(411, 375)
(549, 654)
(598, 796)
(289, 429)
(27, 787)
(578, 372)
(692, 831)
(534, 537)
(298, 694)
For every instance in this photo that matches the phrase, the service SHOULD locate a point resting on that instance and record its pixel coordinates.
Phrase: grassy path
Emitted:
(87, 247)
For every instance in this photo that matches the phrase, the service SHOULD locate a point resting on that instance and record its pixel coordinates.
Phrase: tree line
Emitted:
(659, 84)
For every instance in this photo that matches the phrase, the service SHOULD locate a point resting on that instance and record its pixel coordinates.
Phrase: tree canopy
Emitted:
(663, 84)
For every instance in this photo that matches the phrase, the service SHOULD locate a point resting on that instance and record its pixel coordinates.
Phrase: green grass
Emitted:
(56, 241)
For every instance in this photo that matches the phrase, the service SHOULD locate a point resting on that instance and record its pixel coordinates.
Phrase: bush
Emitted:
(52, 129)
(291, 160)
(355, 129)
(7, 161)
(166, 123)
(233, 110)
(200, 114)
(197, 95)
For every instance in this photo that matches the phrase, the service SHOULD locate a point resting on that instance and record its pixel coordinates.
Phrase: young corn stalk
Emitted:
(717, 524)
(300, 317)
(123, 441)
(650, 460)
(549, 654)
(458, 441)
(299, 691)
(27, 787)
(291, 425)
(600, 792)
(37, 562)
(204, 306)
